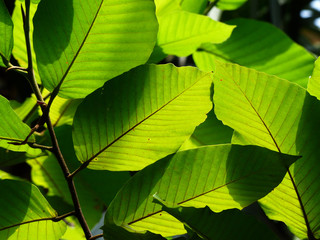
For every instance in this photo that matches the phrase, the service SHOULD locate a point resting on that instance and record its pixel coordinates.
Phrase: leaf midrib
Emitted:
(279, 150)
(146, 118)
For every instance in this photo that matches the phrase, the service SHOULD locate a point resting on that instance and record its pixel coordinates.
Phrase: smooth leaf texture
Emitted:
(210, 132)
(8, 158)
(26, 214)
(6, 33)
(115, 233)
(220, 176)
(93, 192)
(226, 225)
(81, 44)
(230, 4)
(182, 32)
(194, 6)
(141, 116)
(12, 129)
(314, 82)
(261, 46)
(274, 113)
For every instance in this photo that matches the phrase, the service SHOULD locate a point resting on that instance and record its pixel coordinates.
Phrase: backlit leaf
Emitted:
(82, 44)
(6, 33)
(141, 116)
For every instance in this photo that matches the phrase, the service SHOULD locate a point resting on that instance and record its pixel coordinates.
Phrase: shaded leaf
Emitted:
(114, 232)
(182, 32)
(274, 113)
(81, 45)
(210, 132)
(141, 116)
(26, 214)
(221, 177)
(314, 82)
(226, 225)
(229, 4)
(6, 33)
(261, 46)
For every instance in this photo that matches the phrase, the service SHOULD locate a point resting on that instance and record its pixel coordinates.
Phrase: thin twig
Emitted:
(43, 147)
(45, 110)
(96, 236)
(17, 68)
(83, 166)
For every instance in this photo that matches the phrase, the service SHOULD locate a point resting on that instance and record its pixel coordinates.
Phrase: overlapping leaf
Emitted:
(274, 113)
(26, 214)
(141, 116)
(221, 177)
(182, 32)
(210, 132)
(82, 44)
(194, 6)
(12, 129)
(260, 46)
(226, 225)
(229, 4)
(6, 33)
(314, 82)
(19, 50)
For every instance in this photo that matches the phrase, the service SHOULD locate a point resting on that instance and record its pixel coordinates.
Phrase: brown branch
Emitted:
(46, 118)
(96, 236)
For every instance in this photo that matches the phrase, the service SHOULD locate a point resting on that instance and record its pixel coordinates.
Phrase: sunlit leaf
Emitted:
(12, 129)
(221, 177)
(26, 214)
(261, 46)
(314, 82)
(6, 33)
(182, 32)
(141, 116)
(81, 45)
(194, 6)
(274, 113)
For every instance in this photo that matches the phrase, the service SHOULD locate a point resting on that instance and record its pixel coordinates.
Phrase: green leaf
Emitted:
(6, 33)
(229, 4)
(194, 6)
(226, 225)
(274, 113)
(115, 232)
(220, 176)
(141, 116)
(26, 214)
(182, 32)
(210, 132)
(260, 46)
(81, 45)
(314, 82)
(19, 50)
(92, 189)
(8, 158)
(12, 129)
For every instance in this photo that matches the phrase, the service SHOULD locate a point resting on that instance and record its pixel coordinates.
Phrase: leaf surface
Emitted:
(279, 115)
(220, 176)
(141, 116)
(94, 194)
(12, 129)
(182, 32)
(260, 46)
(81, 44)
(26, 214)
(6, 33)
(194, 6)
(314, 82)
(226, 225)
(229, 4)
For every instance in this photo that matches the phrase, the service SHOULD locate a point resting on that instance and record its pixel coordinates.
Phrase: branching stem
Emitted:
(46, 118)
